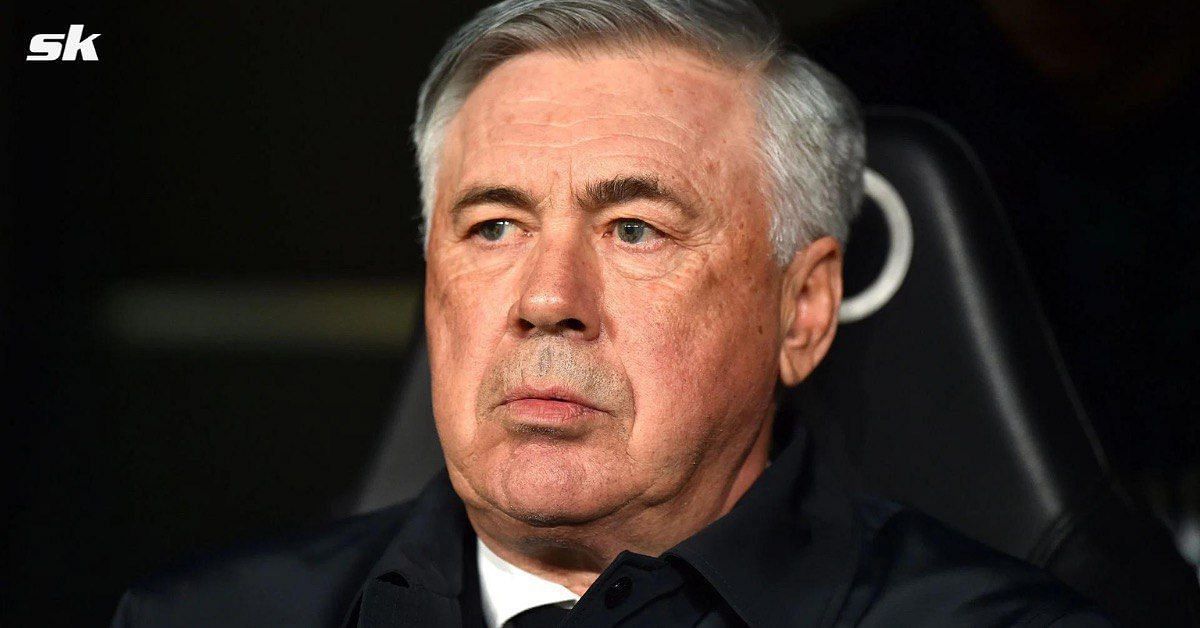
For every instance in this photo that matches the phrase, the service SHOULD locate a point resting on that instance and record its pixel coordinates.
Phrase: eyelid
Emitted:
(652, 244)
(473, 216)
(478, 224)
(649, 225)
(473, 231)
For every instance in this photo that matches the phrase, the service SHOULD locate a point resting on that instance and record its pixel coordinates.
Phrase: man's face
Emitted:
(602, 304)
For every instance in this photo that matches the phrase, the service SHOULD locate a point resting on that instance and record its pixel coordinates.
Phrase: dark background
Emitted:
(211, 267)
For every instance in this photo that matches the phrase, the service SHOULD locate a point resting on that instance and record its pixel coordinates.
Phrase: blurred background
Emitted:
(211, 269)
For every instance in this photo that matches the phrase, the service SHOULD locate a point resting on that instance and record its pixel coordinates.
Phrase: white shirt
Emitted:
(508, 590)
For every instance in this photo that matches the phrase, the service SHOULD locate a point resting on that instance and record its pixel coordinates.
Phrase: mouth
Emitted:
(549, 408)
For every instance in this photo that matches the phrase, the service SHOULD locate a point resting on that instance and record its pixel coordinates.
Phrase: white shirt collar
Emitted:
(508, 590)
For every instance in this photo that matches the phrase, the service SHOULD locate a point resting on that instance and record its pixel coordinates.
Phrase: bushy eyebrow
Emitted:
(492, 194)
(595, 196)
(600, 194)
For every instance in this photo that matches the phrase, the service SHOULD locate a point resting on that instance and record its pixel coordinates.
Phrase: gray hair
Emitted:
(812, 145)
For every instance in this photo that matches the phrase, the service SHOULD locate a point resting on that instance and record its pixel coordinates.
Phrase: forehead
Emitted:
(546, 112)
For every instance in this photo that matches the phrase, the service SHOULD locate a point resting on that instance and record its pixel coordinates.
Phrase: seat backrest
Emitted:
(951, 395)
(943, 390)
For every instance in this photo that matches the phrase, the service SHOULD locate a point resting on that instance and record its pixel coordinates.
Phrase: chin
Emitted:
(553, 486)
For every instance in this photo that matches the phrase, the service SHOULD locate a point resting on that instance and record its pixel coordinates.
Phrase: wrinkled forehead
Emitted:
(671, 111)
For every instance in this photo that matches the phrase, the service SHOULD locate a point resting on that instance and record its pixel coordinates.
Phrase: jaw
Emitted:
(565, 510)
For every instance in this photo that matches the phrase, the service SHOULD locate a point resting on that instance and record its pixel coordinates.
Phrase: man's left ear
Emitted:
(812, 294)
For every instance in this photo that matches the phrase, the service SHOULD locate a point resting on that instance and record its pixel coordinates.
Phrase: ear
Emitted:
(812, 294)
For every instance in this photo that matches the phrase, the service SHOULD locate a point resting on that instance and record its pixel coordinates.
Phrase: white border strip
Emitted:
(895, 267)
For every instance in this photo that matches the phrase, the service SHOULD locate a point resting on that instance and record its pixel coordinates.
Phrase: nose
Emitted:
(559, 290)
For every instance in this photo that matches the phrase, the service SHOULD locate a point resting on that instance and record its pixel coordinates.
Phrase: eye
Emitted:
(632, 231)
(492, 230)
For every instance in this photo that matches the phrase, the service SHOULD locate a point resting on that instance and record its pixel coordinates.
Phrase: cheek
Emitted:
(466, 305)
(464, 319)
(701, 352)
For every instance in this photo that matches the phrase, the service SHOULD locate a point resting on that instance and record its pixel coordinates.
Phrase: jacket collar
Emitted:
(419, 577)
(796, 510)
(787, 552)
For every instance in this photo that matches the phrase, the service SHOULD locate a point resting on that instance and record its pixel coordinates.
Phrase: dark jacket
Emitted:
(795, 551)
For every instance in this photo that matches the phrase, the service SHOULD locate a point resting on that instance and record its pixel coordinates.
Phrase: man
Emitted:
(634, 213)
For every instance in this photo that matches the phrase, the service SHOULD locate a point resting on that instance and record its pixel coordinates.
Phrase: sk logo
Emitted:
(46, 46)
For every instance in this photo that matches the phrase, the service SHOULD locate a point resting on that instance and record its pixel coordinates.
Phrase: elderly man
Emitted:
(634, 212)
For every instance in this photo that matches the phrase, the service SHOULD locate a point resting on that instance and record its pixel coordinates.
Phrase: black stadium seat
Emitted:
(943, 390)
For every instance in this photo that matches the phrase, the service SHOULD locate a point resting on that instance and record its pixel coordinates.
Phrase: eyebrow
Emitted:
(492, 194)
(600, 194)
(595, 196)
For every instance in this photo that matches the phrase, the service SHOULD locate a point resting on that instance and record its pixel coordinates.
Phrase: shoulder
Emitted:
(305, 579)
(916, 571)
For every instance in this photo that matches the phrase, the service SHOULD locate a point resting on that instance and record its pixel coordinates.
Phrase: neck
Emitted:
(575, 555)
